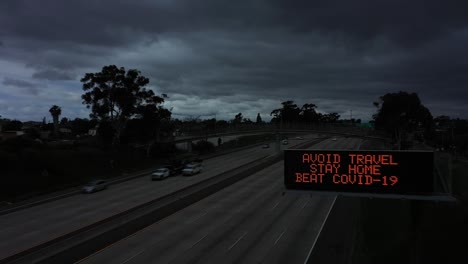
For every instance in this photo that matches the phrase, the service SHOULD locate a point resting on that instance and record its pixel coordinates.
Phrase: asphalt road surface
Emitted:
(26, 228)
(250, 221)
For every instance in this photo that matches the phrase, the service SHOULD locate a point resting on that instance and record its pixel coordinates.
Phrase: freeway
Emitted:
(33, 226)
(247, 222)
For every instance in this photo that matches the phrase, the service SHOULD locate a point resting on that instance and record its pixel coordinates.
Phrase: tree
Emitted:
(12, 125)
(116, 95)
(209, 124)
(55, 111)
(237, 119)
(259, 119)
(308, 113)
(153, 117)
(289, 113)
(330, 118)
(64, 121)
(247, 121)
(81, 126)
(222, 124)
(400, 113)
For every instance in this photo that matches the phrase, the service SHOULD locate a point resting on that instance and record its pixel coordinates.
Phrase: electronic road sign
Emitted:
(363, 171)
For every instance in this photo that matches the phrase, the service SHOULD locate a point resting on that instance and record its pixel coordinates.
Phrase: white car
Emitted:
(191, 169)
(285, 142)
(94, 186)
(300, 138)
(334, 139)
(160, 174)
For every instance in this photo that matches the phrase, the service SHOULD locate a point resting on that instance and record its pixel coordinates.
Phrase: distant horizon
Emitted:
(49, 119)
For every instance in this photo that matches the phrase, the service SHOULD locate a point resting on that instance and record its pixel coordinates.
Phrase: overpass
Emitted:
(346, 131)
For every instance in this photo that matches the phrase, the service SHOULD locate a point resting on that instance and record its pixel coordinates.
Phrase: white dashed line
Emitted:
(237, 241)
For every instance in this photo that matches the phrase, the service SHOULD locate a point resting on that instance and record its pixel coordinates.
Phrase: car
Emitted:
(265, 146)
(300, 138)
(94, 186)
(334, 139)
(160, 174)
(284, 142)
(173, 169)
(192, 168)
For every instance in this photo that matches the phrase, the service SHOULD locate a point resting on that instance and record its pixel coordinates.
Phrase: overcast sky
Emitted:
(219, 58)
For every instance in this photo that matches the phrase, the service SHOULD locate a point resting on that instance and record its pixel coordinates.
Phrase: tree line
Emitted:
(122, 108)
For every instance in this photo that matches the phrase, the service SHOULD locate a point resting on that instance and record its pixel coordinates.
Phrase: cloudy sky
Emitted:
(219, 58)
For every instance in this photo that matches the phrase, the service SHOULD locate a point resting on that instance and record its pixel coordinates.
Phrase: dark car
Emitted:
(94, 186)
(174, 169)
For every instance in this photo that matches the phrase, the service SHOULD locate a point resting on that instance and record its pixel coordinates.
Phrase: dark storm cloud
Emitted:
(340, 55)
(113, 23)
(54, 75)
(406, 22)
(31, 88)
(17, 83)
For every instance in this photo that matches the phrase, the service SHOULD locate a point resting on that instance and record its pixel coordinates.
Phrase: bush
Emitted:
(161, 150)
(203, 146)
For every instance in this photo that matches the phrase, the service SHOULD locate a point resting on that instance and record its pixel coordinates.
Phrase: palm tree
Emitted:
(55, 111)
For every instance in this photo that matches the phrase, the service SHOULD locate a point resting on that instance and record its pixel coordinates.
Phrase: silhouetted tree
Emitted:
(80, 126)
(105, 132)
(247, 121)
(115, 95)
(12, 125)
(222, 124)
(330, 118)
(308, 113)
(64, 121)
(289, 113)
(153, 117)
(402, 112)
(209, 124)
(259, 119)
(55, 111)
(237, 119)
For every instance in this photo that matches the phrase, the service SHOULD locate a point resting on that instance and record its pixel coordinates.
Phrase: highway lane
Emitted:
(248, 222)
(32, 226)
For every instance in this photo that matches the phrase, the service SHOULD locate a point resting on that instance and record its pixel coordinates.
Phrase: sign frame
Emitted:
(408, 188)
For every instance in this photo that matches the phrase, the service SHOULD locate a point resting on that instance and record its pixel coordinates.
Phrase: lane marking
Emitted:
(326, 218)
(320, 230)
(130, 258)
(198, 241)
(237, 241)
(279, 237)
(126, 238)
(275, 206)
(198, 217)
